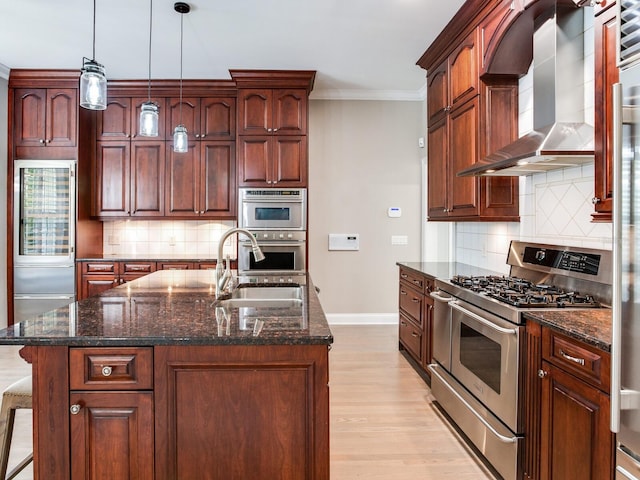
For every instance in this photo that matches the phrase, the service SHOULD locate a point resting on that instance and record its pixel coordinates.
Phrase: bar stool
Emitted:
(17, 395)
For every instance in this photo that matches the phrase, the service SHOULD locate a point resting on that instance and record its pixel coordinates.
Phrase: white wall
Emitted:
(3, 200)
(555, 207)
(363, 158)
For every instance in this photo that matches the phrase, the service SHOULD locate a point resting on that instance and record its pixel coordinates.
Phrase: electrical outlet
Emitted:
(172, 241)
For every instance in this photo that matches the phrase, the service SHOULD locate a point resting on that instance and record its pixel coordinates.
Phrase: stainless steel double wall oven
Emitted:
(478, 354)
(277, 218)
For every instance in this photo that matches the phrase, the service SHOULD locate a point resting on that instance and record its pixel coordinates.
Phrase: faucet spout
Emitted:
(221, 278)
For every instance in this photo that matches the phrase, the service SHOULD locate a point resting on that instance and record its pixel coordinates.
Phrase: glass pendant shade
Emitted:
(180, 139)
(149, 120)
(93, 86)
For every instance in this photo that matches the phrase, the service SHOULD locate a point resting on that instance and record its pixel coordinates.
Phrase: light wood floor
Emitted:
(383, 423)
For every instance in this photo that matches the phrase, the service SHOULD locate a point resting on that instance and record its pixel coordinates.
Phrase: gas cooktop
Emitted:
(522, 293)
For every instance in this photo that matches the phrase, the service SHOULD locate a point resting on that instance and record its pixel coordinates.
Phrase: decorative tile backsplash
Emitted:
(174, 238)
(555, 206)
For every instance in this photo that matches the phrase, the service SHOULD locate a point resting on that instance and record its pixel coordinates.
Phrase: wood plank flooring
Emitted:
(383, 423)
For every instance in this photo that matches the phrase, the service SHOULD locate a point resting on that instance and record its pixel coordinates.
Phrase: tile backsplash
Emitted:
(555, 206)
(174, 238)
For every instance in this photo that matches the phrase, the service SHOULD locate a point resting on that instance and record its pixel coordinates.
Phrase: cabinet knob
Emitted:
(106, 371)
(48, 140)
(275, 129)
(115, 280)
(197, 135)
(269, 130)
(595, 200)
(202, 135)
(542, 373)
(42, 141)
(75, 409)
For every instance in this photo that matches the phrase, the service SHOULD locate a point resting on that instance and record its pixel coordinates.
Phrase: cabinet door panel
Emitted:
(438, 141)
(136, 106)
(254, 111)
(112, 436)
(463, 153)
(95, 284)
(289, 165)
(112, 177)
(29, 116)
(218, 178)
(114, 123)
(61, 117)
(290, 112)
(188, 115)
(438, 98)
(217, 118)
(147, 178)
(463, 70)
(182, 176)
(253, 160)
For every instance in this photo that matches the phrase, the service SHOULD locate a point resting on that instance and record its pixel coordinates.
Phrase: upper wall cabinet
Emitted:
(44, 117)
(604, 27)
(206, 118)
(120, 121)
(272, 112)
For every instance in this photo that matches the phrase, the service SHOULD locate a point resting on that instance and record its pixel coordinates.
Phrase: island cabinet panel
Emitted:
(241, 412)
(112, 435)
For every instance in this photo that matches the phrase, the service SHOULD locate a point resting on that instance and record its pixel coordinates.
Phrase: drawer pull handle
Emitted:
(75, 409)
(404, 275)
(415, 300)
(106, 371)
(579, 361)
(402, 292)
(414, 334)
(417, 282)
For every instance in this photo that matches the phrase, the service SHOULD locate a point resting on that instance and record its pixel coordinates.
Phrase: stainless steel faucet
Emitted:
(223, 274)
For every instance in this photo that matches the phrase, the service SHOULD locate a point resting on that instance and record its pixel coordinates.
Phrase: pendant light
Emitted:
(180, 138)
(149, 111)
(93, 81)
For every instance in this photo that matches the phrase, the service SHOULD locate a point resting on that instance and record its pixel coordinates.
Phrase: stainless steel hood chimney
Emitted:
(560, 137)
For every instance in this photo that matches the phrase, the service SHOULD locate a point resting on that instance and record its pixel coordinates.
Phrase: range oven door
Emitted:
(486, 359)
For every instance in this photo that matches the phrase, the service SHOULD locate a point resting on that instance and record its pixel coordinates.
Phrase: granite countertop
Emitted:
(446, 270)
(172, 307)
(592, 326)
(163, 257)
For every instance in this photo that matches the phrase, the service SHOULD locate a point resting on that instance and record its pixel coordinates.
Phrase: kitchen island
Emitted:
(156, 379)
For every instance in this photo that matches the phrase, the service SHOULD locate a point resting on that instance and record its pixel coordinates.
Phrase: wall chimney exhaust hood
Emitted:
(560, 137)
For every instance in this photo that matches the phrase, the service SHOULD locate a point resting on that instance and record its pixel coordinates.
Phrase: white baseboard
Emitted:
(362, 318)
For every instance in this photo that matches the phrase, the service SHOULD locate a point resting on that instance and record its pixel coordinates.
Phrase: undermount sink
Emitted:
(265, 297)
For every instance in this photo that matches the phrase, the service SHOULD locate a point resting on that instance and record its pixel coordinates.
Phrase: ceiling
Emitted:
(361, 49)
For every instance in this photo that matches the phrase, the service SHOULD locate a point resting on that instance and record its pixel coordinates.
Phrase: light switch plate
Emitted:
(344, 241)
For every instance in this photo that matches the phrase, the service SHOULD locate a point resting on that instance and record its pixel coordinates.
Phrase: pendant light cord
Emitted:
(150, 28)
(94, 31)
(181, 36)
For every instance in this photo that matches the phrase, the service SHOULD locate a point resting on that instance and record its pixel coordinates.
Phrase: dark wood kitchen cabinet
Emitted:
(470, 113)
(121, 119)
(202, 181)
(95, 276)
(44, 119)
(567, 408)
(416, 317)
(605, 62)
(111, 407)
(272, 111)
(129, 178)
(273, 160)
(206, 118)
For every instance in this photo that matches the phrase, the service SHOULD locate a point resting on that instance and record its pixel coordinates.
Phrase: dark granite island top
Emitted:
(156, 380)
(172, 307)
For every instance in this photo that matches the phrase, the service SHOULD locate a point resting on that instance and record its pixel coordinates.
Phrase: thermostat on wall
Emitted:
(344, 241)
(394, 212)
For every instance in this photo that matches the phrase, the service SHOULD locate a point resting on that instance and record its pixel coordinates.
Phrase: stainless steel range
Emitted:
(478, 357)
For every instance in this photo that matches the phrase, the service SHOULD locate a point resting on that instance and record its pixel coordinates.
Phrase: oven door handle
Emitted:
(292, 243)
(499, 436)
(440, 298)
(455, 305)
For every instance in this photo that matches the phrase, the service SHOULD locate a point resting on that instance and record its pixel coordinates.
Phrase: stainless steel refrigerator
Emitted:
(43, 236)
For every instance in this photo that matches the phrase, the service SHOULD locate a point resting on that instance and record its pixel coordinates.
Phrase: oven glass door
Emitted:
(272, 215)
(279, 257)
(485, 358)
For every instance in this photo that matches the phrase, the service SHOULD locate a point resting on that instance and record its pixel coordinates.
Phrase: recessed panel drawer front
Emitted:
(586, 362)
(111, 368)
(411, 302)
(410, 336)
(416, 281)
(100, 267)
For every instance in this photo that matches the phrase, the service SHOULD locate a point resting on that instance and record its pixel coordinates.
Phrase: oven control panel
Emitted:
(579, 262)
